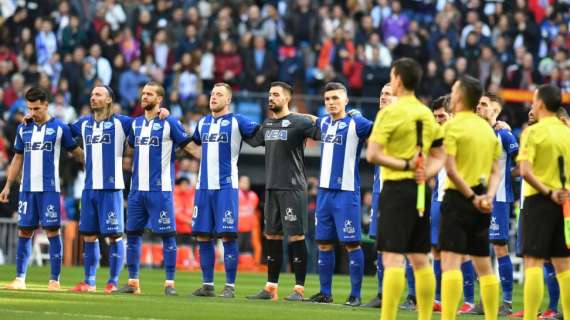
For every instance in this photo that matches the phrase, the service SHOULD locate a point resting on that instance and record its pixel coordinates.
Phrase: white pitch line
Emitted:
(67, 314)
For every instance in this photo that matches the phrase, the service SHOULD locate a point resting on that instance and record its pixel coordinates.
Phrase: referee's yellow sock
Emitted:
(425, 292)
(392, 289)
(451, 290)
(533, 292)
(564, 282)
(490, 296)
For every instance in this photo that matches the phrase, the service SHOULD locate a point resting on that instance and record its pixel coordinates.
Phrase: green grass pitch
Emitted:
(37, 303)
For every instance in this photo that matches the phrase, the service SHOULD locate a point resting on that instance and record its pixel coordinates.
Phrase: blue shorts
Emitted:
(499, 227)
(102, 212)
(435, 218)
(215, 212)
(373, 229)
(338, 216)
(39, 209)
(154, 209)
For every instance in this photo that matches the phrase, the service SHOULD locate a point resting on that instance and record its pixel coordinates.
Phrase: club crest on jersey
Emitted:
(342, 125)
(275, 135)
(94, 139)
(228, 217)
(164, 219)
(285, 123)
(107, 125)
(38, 146)
(156, 126)
(332, 138)
(49, 131)
(290, 215)
(215, 137)
(494, 226)
(348, 227)
(112, 219)
(147, 141)
(50, 212)
(225, 122)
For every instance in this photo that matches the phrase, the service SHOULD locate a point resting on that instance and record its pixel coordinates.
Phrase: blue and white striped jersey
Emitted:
(103, 144)
(221, 140)
(439, 187)
(41, 147)
(341, 145)
(154, 142)
(510, 147)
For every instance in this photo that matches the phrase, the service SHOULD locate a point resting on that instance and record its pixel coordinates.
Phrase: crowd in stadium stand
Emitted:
(67, 47)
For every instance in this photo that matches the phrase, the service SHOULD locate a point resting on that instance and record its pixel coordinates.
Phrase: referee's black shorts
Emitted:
(463, 229)
(543, 229)
(285, 212)
(400, 229)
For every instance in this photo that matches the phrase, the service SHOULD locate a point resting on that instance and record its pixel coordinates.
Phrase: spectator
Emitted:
(384, 58)
(190, 41)
(302, 23)
(472, 21)
(183, 197)
(249, 231)
(206, 68)
(290, 61)
(72, 35)
(260, 67)
(335, 51)
(396, 25)
(228, 65)
(61, 110)
(365, 31)
(273, 27)
(115, 15)
(162, 53)
(46, 42)
(252, 22)
(380, 12)
(72, 69)
(101, 66)
(186, 81)
(129, 84)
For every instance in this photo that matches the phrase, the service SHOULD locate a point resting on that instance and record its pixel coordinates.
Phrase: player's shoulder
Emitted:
(122, 117)
(55, 122)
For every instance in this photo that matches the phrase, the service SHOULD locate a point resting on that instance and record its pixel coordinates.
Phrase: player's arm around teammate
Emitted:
(544, 159)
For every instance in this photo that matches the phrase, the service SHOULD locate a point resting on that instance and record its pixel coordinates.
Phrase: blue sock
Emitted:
(207, 260)
(552, 285)
(23, 253)
(506, 276)
(231, 255)
(380, 272)
(468, 282)
(410, 279)
(91, 256)
(134, 248)
(169, 253)
(356, 271)
(326, 269)
(437, 271)
(116, 257)
(55, 256)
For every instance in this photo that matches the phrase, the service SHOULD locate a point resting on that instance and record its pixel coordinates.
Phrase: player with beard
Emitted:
(150, 199)
(220, 135)
(284, 135)
(103, 135)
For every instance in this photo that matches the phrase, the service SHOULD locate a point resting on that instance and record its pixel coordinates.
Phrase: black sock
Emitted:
(299, 253)
(274, 260)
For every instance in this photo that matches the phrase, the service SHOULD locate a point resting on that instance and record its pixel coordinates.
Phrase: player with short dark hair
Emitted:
(489, 108)
(220, 136)
(471, 165)
(284, 135)
(337, 213)
(37, 151)
(543, 159)
(150, 200)
(402, 230)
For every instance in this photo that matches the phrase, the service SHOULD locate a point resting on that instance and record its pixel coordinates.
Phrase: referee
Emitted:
(472, 154)
(542, 145)
(401, 231)
(284, 136)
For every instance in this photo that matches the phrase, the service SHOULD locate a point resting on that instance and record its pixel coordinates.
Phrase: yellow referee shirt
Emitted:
(475, 146)
(541, 145)
(395, 129)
